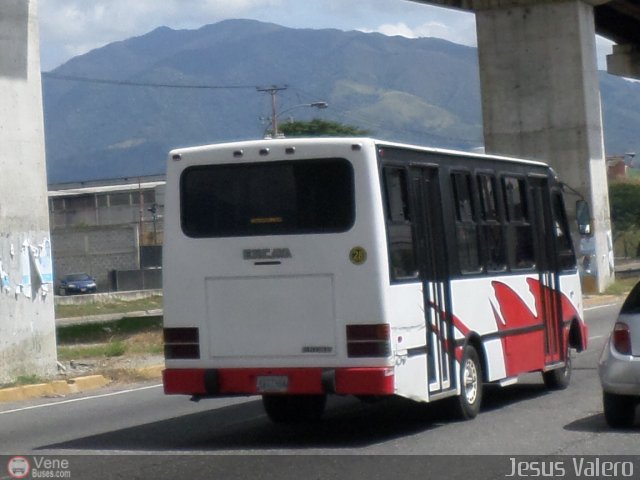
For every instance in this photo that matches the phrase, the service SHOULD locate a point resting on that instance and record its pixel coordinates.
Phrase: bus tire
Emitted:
(467, 404)
(619, 410)
(294, 408)
(559, 378)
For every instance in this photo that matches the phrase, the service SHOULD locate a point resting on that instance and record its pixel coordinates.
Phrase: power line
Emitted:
(272, 90)
(73, 78)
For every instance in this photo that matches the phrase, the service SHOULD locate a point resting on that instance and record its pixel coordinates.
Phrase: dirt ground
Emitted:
(132, 366)
(125, 369)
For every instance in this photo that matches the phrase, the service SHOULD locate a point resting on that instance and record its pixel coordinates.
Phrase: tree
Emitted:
(624, 198)
(320, 128)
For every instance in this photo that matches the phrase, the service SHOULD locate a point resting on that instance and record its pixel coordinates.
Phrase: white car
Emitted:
(619, 365)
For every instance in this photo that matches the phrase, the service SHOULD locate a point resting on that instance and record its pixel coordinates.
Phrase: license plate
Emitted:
(272, 384)
(83, 289)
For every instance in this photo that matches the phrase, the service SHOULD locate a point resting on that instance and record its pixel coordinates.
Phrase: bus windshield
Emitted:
(267, 198)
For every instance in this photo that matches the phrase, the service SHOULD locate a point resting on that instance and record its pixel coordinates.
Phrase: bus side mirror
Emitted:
(583, 218)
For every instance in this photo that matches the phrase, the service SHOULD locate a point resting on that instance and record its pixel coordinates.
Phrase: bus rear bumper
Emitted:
(257, 381)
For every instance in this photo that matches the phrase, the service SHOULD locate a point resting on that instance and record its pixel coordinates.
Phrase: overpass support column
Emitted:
(624, 61)
(541, 99)
(27, 325)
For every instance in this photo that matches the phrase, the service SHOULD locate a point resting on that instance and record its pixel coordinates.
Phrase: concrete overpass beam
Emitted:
(27, 325)
(624, 61)
(541, 98)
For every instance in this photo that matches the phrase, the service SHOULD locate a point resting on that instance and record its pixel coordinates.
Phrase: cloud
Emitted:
(454, 26)
(465, 35)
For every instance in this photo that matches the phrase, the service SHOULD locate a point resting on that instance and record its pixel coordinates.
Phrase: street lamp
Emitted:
(274, 115)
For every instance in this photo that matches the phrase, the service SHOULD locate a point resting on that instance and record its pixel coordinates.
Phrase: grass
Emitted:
(114, 306)
(107, 331)
(621, 286)
(101, 350)
(23, 380)
(129, 336)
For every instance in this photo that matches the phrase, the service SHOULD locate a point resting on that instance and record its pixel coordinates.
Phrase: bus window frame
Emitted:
(524, 221)
(392, 224)
(563, 223)
(496, 222)
(471, 222)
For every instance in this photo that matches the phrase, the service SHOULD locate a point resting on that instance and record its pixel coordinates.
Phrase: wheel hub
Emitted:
(470, 381)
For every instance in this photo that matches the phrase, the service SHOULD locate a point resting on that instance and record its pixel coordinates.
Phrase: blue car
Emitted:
(75, 283)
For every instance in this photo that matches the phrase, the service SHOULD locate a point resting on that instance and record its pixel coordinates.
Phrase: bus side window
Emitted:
(397, 195)
(402, 258)
(519, 232)
(564, 246)
(466, 226)
(490, 226)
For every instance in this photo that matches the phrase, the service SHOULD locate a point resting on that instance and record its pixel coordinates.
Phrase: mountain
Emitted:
(121, 123)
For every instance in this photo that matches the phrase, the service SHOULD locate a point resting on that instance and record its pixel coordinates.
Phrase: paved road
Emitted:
(523, 419)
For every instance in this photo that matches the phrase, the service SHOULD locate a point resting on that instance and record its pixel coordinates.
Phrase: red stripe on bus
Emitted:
(355, 381)
(244, 380)
(183, 381)
(365, 381)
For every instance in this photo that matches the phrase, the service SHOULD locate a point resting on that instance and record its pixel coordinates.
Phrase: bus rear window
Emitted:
(275, 198)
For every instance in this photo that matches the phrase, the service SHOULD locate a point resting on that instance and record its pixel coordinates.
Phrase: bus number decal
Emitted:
(358, 255)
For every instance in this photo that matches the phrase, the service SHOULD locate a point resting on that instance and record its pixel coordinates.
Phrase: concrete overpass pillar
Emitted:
(27, 325)
(541, 99)
(624, 61)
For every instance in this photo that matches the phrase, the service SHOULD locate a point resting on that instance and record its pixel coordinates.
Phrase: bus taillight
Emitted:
(368, 340)
(181, 343)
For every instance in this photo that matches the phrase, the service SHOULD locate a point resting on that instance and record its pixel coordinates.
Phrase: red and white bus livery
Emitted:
(298, 268)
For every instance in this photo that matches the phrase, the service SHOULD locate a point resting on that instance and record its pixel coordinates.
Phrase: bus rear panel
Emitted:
(268, 270)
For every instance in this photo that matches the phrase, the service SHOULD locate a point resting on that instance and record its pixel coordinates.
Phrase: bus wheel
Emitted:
(559, 378)
(467, 405)
(294, 408)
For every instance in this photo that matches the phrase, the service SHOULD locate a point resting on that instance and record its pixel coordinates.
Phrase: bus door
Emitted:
(549, 283)
(432, 256)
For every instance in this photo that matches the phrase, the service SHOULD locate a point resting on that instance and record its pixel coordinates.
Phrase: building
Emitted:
(617, 167)
(111, 230)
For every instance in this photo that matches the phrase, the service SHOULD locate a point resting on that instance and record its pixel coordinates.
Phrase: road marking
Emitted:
(596, 307)
(596, 337)
(73, 400)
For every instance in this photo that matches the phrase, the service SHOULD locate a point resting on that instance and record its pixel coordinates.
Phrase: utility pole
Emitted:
(273, 91)
(141, 203)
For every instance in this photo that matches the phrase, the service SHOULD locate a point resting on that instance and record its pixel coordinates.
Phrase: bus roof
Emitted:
(293, 141)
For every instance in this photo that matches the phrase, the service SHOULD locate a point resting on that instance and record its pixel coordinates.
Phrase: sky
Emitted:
(73, 27)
